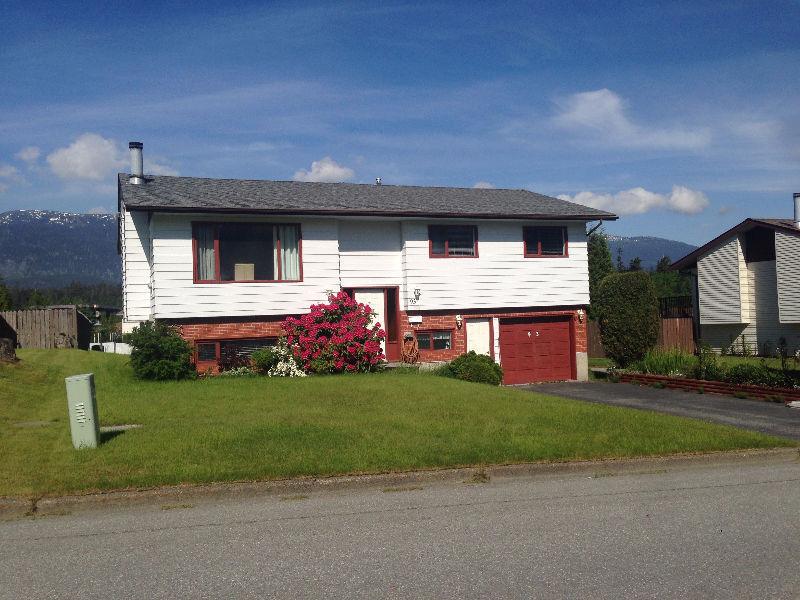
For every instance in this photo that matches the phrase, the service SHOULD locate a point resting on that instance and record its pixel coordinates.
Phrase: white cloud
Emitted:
(638, 200)
(157, 167)
(601, 114)
(325, 170)
(483, 185)
(8, 171)
(29, 154)
(91, 156)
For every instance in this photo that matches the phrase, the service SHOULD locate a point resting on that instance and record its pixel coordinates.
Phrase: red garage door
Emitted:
(536, 350)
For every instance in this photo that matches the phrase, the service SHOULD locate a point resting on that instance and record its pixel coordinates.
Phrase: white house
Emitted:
(747, 286)
(501, 272)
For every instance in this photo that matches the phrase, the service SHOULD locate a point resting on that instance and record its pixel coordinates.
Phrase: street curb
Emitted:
(14, 508)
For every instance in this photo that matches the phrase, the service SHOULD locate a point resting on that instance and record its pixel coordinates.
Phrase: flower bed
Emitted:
(713, 387)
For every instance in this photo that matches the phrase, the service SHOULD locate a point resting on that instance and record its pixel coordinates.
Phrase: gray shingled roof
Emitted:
(195, 194)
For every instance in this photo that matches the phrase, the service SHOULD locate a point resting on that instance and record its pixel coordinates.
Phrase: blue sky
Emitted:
(685, 118)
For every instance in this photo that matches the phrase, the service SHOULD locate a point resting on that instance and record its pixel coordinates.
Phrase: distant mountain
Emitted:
(47, 249)
(649, 249)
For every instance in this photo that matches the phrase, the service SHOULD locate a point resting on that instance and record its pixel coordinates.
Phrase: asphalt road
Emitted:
(718, 528)
(766, 417)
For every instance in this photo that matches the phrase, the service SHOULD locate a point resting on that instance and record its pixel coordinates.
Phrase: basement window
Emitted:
(453, 241)
(212, 350)
(543, 242)
(246, 252)
(434, 340)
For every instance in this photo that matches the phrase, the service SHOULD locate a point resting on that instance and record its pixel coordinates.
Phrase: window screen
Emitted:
(545, 241)
(452, 240)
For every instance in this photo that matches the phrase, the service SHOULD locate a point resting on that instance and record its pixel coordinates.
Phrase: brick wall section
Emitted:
(258, 327)
(233, 329)
(447, 321)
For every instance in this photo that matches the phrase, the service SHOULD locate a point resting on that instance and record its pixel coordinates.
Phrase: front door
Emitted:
(479, 336)
(383, 302)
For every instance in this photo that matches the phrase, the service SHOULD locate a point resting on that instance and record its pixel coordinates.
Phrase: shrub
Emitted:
(237, 372)
(336, 337)
(760, 374)
(674, 363)
(628, 316)
(231, 360)
(264, 359)
(160, 353)
(707, 366)
(280, 361)
(477, 368)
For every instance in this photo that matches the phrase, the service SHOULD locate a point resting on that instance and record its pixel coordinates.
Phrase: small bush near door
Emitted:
(477, 368)
(160, 353)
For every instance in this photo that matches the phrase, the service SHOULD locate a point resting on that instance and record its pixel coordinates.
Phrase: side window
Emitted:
(453, 241)
(544, 241)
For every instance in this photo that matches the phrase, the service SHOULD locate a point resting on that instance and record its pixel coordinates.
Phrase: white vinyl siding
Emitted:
(764, 332)
(719, 284)
(370, 253)
(787, 256)
(136, 261)
(350, 253)
(177, 296)
(500, 276)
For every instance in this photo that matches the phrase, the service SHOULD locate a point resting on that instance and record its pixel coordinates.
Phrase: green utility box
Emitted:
(83, 421)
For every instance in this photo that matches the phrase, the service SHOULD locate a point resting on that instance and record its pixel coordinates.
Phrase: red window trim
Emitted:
(218, 345)
(564, 234)
(217, 224)
(431, 332)
(447, 245)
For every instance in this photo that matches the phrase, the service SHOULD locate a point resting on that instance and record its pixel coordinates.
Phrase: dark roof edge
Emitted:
(748, 223)
(370, 213)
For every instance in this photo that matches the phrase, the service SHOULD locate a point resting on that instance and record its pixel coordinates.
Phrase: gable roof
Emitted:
(785, 225)
(195, 194)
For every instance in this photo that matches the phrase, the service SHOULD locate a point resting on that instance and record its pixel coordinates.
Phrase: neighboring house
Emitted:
(501, 272)
(747, 286)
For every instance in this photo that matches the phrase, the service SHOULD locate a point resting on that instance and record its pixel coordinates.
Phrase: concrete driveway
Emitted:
(766, 417)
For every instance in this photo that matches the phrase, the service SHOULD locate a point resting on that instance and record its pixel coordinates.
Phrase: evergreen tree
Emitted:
(37, 300)
(600, 264)
(635, 264)
(663, 264)
(620, 264)
(5, 296)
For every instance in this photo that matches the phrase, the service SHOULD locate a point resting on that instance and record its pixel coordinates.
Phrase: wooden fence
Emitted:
(58, 327)
(675, 333)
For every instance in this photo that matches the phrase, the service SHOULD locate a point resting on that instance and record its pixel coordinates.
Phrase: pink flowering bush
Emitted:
(338, 337)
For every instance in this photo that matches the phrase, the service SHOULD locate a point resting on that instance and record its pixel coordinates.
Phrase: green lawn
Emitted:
(244, 429)
(775, 363)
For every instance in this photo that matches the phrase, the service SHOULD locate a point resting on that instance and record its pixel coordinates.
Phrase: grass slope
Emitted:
(255, 428)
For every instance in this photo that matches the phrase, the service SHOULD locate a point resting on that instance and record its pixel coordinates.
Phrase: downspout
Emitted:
(595, 228)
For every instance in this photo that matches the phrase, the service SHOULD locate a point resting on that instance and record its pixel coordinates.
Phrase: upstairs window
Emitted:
(453, 241)
(246, 252)
(545, 241)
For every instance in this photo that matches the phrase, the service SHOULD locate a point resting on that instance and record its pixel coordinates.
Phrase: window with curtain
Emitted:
(247, 252)
(545, 241)
(453, 241)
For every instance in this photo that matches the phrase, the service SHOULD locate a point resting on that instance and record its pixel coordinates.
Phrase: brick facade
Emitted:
(195, 330)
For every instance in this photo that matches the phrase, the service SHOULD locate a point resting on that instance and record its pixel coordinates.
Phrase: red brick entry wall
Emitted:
(196, 330)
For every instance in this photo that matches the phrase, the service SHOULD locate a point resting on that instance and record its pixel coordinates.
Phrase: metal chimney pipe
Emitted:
(797, 209)
(137, 164)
